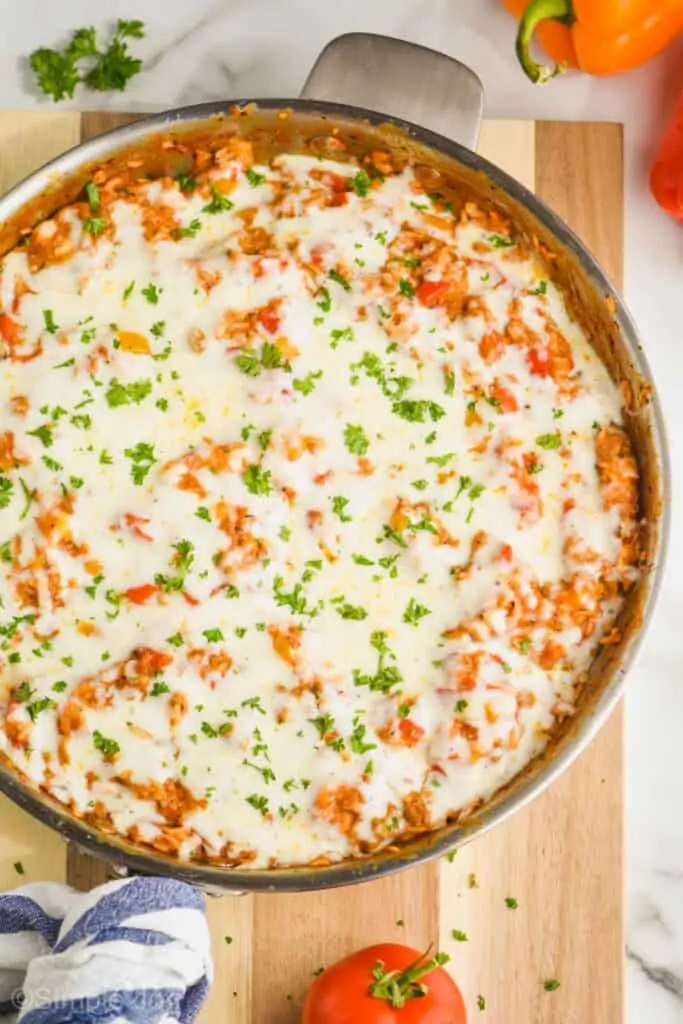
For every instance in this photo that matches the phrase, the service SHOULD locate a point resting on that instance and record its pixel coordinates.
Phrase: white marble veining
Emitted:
(214, 49)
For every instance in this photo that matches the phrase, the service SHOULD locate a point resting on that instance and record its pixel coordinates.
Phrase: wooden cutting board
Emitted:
(562, 858)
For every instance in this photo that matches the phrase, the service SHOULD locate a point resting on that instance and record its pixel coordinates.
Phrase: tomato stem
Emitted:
(397, 987)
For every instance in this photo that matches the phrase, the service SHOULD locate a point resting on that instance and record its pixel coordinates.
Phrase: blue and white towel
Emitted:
(136, 951)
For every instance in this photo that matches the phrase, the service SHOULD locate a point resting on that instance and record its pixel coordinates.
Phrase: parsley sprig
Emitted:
(59, 71)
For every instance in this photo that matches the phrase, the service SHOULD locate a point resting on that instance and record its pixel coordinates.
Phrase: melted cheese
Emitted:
(304, 542)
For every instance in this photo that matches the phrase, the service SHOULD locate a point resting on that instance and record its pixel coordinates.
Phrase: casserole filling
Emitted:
(315, 507)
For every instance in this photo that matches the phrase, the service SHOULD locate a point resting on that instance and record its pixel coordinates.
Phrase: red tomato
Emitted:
(135, 523)
(10, 330)
(538, 362)
(411, 733)
(505, 398)
(270, 320)
(141, 594)
(431, 293)
(385, 984)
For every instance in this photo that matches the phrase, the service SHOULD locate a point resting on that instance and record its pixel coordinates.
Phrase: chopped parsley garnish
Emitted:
(267, 773)
(159, 687)
(406, 288)
(94, 226)
(362, 560)
(29, 496)
(481, 1002)
(551, 984)
(351, 611)
(339, 503)
(420, 485)
(549, 441)
(461, 705)
(511, 902)
(259, 803)
(186, 183)
(416, 410)
(93, 196)
(59, 686)
(441, 460)
(252, 363)
(191, 229)
(295, 599)
(203, 513)
(271, 357)
(334, 275)
(524, 645)
(500, 242)
(50, 325)
(219, 203)
(177, 640)
(23, 692)
(307, 384)
(213, 636)
(107, 747)
(182, 562)
(324, 724)
(558, 414)
(448, 382)
(385, 676)
(325, 302)
(257, 480)
(6, 491)
(355, 439)
(541, 290)
(151, 293)
(254, 178)
(128, 290)
(125, 394)
(361, 183)
(143, 458)
(341, 334)
(357, 739)
(458, 935)
(415, 612)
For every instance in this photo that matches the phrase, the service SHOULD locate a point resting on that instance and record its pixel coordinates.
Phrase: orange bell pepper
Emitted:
(666, 178)
(602, 37)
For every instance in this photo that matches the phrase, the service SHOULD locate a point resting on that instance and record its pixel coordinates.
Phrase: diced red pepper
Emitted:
(411, 733)
(270, 320)
(141, 594)
(10, 330)
(431, 293)
(135, 523)
(538, 362)
(505, 398)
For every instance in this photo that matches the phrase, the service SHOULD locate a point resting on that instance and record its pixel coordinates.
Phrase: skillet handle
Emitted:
(402, 80)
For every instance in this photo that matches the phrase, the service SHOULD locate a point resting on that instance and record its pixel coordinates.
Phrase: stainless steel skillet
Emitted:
(427, 109)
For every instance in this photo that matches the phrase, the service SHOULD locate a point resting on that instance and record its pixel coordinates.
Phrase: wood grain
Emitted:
(561, 858)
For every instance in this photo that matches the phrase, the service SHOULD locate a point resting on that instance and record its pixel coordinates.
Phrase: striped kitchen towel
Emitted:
(136, 951)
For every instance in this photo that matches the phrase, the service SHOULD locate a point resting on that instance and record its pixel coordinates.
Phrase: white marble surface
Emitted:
(213, 49)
